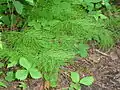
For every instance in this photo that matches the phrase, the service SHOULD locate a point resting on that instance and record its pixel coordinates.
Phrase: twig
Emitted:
(102, 53)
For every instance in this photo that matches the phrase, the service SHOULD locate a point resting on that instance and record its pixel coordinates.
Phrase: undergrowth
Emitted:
(55, 28)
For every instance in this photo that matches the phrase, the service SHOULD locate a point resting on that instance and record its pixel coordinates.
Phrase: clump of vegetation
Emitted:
(56, 31)
(76, 81)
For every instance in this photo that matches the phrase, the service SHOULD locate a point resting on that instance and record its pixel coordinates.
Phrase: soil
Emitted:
(104, 66)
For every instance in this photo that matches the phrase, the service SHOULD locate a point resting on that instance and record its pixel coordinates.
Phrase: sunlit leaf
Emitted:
(25, 63)
(21, 74)
(87, 80)
(35, 73)
(10, 76)
(18, 6)
(75, 77)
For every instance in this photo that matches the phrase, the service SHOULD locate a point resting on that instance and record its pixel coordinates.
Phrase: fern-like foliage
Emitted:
(56, 26)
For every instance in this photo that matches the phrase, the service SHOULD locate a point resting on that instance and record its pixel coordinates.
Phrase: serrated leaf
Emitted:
(83, 50)
(108, 6)
(35, 73)
(6, 20)
(3, 85)
(87, 80)
(75, 77)
(83, 53)
(25, 63)
(18, 6)
(21, 74)
(10, 76)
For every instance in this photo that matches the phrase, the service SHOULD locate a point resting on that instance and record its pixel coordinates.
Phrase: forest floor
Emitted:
(104, 66)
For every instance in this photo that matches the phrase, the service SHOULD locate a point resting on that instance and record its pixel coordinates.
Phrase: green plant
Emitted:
(55, 28)
(10, 76)
(76, 81)
(11, 11)
(95, 7)
(82, 50)
(92, 5)
(29, 69)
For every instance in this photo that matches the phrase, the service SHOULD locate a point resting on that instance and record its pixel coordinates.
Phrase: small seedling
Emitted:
(76, 81)
(28, 69)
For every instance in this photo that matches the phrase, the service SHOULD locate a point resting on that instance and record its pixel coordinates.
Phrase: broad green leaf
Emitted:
(18, 6)
(3, 85)
(31, 2)
(1, 65)
(10, 76)
(21, 74)
(25, 63)
(108, 6)
(53, 80)
(35, 73)
(83, 53)
(90, 6)
(75, 77)
(87, 80)
(83, 50)
(6, 20)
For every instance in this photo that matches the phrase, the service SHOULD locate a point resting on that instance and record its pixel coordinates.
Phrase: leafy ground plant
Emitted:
(76, 81)
(55, 26)
(10, 76)
(82, 50)
(28, 69)
(95, 7)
